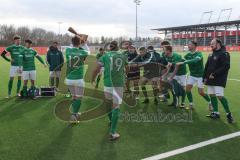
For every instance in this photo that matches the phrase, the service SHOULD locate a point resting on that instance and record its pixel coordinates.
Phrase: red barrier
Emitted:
(40, 50)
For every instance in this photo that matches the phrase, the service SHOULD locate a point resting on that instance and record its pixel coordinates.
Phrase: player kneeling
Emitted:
(29, 68)
(74, 80)
(114, 78)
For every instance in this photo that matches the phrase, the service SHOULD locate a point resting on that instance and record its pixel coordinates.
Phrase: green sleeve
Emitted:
(39, 58)
(101, 59)
(9, 49)
(4, 56)
(194, 60)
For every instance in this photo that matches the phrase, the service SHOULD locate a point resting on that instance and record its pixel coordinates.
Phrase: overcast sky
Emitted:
(111, 17)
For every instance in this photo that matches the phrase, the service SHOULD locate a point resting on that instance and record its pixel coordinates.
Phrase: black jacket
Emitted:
(218, 64)
(55, 59)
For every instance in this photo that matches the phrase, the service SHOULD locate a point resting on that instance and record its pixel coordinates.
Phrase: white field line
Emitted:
(194, 146)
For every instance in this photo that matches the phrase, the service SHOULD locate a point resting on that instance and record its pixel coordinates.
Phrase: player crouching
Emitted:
(29, 68)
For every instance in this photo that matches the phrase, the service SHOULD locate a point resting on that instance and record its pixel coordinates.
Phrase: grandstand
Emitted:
(204, 33)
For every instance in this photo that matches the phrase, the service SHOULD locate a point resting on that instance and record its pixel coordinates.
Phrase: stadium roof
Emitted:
(200, 27)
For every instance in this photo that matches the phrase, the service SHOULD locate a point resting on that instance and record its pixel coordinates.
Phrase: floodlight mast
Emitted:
(137, 2)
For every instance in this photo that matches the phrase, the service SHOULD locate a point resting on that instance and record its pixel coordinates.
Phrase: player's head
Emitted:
(168, 50)
(131, 49)
(165, 43)
(55, 44)
(150, 48)
(101, 50)
(113, 46)
(142, 51)
(17, 39)
(216, 44)
(192, 45)
(76, 41)
(28, 43)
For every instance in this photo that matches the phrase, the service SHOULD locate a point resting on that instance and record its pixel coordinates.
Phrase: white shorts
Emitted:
(76, 82)
(114, 93)
(76, 87)
(217, 90)
(54, 74)
(15, 71)
(181, 80)
(195, 80)
(29, 75)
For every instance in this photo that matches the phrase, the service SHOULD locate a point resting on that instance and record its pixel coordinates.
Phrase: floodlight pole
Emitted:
(137, 4)
(59, 28)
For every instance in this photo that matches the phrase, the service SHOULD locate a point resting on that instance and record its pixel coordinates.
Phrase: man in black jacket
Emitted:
(55, 60)
(215, 77)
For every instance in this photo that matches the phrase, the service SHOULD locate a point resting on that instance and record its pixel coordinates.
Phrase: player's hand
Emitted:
(211, 76)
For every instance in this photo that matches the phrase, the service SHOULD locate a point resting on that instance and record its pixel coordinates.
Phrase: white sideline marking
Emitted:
(234, 80)
(193, 147)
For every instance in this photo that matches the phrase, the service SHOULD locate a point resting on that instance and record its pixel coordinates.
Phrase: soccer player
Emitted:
(98, 56)
(55, 61)
(194, 59)
(151, 61)
(164, 86)
(176, 76)
(133, 74)
(75, 58)
(215, 77)
(114, 63)
(16, 61)
(29, 68)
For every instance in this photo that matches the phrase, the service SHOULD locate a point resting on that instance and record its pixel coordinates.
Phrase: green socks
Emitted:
(24, 91)
(98, 80)
(144, 90)
(190, 97)
(76, 104)
(10, 84)
(19, 83)
(206, 97)
(115, 116)
(214, 104)
(57, 82)
(224, 102)
(51, 82)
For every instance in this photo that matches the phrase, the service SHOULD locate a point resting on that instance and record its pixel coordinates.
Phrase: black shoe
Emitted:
(145, 101)
(213, 115)
(155, 101)
(229, 118)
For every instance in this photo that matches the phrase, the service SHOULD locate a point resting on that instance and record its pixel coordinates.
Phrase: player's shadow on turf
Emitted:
(57, 148)
(17, 110)
(107, 149)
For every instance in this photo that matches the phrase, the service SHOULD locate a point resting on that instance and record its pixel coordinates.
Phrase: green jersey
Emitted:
(15, 53)
(195, 63)
(29, 59)
(99, 55)
(75, 63)
(175, 58)
(114, 63)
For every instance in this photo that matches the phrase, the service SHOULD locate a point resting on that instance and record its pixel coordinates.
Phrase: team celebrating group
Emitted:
(123, 64)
